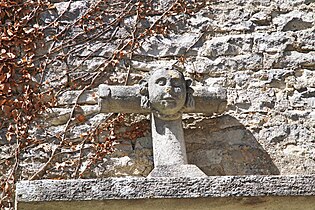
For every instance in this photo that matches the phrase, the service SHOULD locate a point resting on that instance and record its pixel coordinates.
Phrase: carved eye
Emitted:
(177, 90)
(161, 81)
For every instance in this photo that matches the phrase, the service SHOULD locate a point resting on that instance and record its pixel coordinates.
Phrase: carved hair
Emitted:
(145, 101)
(190, 101)
(144, 92)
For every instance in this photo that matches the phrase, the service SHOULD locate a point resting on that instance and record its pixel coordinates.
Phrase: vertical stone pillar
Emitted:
(168, 142)
(169, 150)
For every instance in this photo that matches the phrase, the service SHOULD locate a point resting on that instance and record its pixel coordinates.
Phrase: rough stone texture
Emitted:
(135, 188)
(262, 52)
(179, 170)
(168, 142)
(42, 192)
(222, 145)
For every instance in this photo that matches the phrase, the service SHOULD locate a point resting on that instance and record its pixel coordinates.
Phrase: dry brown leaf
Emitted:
(6, 109)
(10, 55)
(28, 30)
(81, 118)
(10, 32)
(2, 78)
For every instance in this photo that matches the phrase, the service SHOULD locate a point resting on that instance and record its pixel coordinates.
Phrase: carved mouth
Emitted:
(168, 99)
(168, 102)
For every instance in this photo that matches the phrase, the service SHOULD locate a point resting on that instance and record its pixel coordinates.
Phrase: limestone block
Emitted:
(223, 65)
(87, 97)
(306, 40)
(226, 46)
(59, 116)
(293, 150)
(261, 18)
(273, 42)
(305, 80)
(219, 46)
(244, 26)
(76, 9)
(294, 21)
(99, 49)
(147, 66)
(277, 134)
(298, 59)
(160, 46)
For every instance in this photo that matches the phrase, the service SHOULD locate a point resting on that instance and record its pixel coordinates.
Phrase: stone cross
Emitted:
(166, 95)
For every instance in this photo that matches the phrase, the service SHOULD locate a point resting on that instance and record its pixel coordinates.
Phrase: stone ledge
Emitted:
(142, 188)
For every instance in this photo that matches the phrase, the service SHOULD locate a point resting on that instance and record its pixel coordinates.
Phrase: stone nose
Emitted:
(168, 89)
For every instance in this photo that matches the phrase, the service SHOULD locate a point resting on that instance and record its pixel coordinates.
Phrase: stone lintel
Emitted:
(154, 187)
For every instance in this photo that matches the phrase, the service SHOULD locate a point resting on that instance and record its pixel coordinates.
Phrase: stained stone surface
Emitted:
(276, 192)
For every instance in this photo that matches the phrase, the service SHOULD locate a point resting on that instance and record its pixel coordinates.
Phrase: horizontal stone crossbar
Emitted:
(141, 188)
(126, 99)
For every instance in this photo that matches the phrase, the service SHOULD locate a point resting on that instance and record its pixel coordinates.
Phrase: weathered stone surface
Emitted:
(135, 188)
(60, 116)
(127, 99)
(71, 97)
(261, 51)
(274, 42)
(183, 170)
(42, 192)
(168, 142)
(160, 46)
(294, 21)
(261, 18)
(223, 146)
(224, 46)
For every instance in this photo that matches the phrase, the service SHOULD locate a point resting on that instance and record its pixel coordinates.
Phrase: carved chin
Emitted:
(168, 116)
(167, 110)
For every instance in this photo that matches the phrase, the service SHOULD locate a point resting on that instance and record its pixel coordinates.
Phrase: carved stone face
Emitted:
(167, 91)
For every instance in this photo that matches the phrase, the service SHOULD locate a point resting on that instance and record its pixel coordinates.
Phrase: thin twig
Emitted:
(108, 27)
(133, 39)
(163, 15)
(12, 173)
(45, 165)
(76, 172)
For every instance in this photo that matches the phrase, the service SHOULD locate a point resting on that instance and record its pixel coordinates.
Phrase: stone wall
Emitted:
(262, 52)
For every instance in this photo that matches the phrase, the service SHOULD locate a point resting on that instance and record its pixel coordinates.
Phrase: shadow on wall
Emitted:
(223, 146)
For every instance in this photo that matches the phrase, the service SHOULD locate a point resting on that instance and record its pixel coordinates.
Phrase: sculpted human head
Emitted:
(167, 93)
